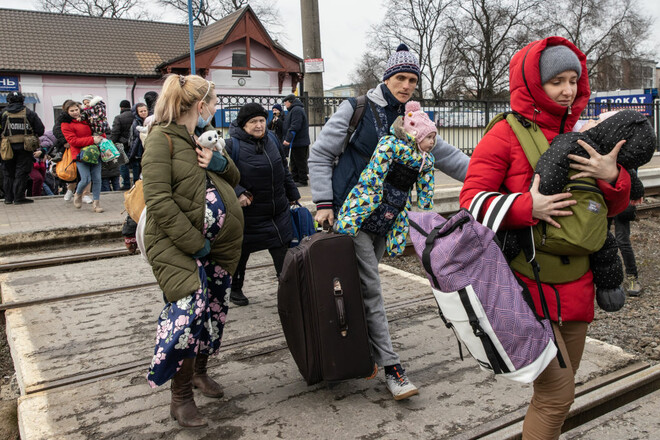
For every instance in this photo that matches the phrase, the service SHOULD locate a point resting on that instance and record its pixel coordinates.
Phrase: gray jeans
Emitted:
(369, 249)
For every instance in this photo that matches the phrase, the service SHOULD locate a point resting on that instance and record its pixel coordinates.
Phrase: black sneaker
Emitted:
(8, 202)
(237, 297)
(23, 201)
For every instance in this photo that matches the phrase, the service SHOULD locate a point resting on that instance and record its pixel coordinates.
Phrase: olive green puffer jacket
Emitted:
(175, 193)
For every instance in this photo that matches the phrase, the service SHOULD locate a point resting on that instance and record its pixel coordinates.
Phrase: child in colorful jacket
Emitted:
(96, 115)
(379, 202)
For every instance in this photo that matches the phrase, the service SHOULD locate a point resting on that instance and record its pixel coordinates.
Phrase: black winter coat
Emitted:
(135, 149)
(121, 128)
(60, 140)
(265, 175)
(296, 121)
(277, 127)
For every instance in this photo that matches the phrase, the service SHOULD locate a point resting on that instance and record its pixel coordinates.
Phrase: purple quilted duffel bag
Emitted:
(478, 295)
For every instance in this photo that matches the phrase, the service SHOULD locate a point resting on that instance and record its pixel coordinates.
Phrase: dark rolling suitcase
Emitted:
(321, 309)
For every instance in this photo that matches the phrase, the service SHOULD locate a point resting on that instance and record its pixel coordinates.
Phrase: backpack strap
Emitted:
(531, 138)
(494, 358)
(272, 137)
(358, 113)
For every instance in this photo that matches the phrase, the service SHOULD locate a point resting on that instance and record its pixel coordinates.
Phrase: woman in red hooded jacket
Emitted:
(549, 85)
(79, 135)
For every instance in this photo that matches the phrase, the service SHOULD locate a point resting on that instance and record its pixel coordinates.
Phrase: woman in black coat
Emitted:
(265, 192)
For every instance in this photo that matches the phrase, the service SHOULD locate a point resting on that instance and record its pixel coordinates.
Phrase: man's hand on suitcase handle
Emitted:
(324, 215)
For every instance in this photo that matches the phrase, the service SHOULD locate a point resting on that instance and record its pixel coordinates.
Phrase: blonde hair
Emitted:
(178, 96)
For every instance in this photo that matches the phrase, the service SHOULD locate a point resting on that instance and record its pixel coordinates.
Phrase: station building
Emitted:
(54, 57)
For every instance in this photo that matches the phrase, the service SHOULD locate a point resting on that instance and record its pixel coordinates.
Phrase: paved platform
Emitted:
(81, 365)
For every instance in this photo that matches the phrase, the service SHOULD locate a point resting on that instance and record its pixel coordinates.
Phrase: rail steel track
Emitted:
(644, 211)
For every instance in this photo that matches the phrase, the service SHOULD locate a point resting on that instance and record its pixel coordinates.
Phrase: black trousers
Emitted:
(622, 234)
(276, 253)
(16, 173)
(299, 170)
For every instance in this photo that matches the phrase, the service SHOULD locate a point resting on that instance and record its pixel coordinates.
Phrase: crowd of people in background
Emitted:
(30, 171)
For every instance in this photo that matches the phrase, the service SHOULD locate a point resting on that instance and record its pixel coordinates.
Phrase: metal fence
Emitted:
(459, 122)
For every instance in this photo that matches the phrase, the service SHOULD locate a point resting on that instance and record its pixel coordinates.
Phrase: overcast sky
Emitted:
(345, 25)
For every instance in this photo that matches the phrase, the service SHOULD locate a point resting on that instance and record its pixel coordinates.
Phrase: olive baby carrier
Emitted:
(480, 299)
(562, 253)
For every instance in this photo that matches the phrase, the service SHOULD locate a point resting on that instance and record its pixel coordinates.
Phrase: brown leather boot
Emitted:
(77, 200)
(96, 206)
(182, 407)
(201, 380)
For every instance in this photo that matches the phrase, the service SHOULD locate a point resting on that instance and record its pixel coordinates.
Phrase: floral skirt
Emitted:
(194, 324)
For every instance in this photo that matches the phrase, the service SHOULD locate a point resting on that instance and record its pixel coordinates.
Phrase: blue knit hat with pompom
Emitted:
(401, 61)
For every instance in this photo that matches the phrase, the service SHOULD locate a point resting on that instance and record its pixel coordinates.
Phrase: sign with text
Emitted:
(641, 103)
(9, 83)
(314, 65)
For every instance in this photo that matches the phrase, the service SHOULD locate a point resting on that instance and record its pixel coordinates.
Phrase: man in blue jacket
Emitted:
(334, 173)
(296, 137)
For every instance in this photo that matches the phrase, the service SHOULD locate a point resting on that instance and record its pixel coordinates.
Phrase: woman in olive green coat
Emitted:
(193, 235)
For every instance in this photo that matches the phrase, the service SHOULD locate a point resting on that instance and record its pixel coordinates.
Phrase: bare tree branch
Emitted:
(98, 8)
(214, 10)
(607, 31)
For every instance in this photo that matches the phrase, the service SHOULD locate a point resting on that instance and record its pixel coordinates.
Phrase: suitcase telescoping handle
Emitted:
(339, 304)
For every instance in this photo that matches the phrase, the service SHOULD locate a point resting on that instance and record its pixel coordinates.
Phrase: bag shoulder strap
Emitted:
(169, 141)
(235, 150)
(5, 115)
(358, 113)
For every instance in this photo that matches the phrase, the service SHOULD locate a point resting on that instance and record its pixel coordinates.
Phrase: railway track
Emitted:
(593, 399)
(644, 211)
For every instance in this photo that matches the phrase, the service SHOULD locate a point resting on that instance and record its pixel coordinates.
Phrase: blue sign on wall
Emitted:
(641, 103)
(9, 83)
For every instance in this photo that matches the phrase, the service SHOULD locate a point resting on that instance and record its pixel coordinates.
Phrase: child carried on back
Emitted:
(380, 200)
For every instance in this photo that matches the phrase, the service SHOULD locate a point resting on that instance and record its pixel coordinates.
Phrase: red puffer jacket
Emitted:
(77, 133)
(499, 164)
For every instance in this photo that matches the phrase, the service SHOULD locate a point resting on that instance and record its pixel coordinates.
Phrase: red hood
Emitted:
(526, 97)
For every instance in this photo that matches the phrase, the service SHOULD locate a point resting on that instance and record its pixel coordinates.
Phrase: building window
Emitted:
(57, 112)
(239, 59)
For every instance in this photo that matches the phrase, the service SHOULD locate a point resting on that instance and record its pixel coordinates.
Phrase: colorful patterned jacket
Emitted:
(366, 196)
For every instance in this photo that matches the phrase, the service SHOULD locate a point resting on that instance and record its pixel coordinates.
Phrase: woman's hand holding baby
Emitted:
(545, 207)
(598, 166)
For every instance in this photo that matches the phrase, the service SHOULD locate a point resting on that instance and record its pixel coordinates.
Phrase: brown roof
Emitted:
(216, 32)
(42, 42)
